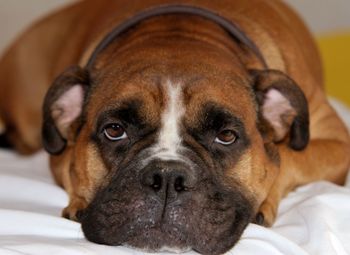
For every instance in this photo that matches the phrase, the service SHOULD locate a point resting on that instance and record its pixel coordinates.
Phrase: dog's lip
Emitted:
(188, 243)
(162, 234)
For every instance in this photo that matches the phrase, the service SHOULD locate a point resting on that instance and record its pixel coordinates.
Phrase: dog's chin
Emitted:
(149, 236)
(167, 237)
(174, 249)
(154, 241)
(164, 249)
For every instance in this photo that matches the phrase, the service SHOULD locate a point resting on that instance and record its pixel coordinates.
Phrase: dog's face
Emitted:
(171, 153)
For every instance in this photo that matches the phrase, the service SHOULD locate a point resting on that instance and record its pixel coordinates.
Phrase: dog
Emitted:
(173, 124)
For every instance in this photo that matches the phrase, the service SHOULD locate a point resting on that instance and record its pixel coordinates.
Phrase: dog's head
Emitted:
(172, 145)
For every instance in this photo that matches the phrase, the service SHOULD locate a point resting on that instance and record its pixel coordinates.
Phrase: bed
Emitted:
(314, 219)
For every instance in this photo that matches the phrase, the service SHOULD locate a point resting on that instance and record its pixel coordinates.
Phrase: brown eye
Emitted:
(114, 132)
(226, 137)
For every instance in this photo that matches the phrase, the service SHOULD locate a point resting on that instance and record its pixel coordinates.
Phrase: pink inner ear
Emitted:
(67, 108)
(278, 111)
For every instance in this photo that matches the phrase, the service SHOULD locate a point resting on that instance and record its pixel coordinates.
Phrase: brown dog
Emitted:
(174, 125)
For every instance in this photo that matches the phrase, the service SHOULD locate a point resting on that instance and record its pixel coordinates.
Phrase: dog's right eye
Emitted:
(226, 137)
(114, 132)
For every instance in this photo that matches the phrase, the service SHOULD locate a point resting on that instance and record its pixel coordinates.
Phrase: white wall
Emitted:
(323, 16)
(15, 15)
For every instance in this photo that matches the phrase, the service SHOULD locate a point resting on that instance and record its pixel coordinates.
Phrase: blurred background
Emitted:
(329, 20)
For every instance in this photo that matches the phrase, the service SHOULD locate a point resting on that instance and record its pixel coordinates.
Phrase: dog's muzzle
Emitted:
(167, 204)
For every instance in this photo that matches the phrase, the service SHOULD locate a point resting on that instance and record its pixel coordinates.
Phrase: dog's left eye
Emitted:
(226, 137)
(114, 132)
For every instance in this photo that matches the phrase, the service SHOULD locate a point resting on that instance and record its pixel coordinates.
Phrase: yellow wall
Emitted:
(335, 51)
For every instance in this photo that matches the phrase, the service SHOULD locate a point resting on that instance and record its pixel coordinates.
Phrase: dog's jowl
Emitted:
(172, 126)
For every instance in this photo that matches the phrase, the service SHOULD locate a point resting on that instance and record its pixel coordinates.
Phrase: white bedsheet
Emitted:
(315, 219)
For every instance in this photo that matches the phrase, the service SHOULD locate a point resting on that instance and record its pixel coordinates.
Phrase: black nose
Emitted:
(166, 180)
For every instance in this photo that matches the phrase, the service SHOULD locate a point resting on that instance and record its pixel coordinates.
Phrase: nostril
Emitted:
(179, 184)
(157, 182)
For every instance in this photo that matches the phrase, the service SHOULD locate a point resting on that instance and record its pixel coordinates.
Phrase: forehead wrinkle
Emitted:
(140, 104)
(113, 91)
(236, 97)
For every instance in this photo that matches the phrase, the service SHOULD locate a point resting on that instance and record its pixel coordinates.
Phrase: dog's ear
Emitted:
(63, 105)
(282, 107)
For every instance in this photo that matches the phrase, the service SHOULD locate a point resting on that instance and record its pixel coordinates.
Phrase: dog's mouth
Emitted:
(205, 218)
